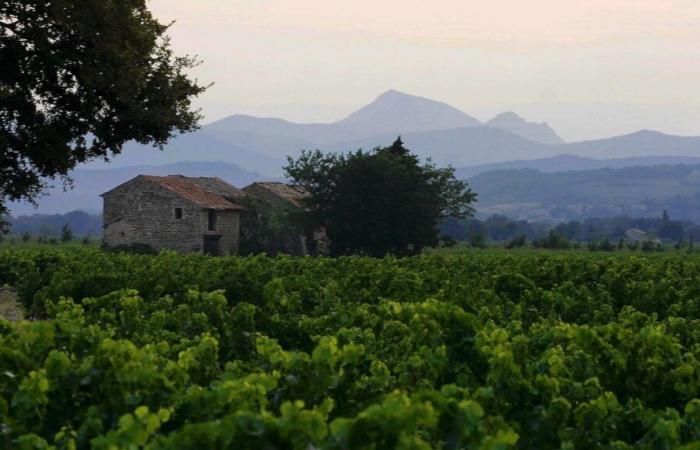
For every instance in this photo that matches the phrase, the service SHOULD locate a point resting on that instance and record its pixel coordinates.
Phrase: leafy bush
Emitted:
(553, 241)
(518, 242)
(490, 350)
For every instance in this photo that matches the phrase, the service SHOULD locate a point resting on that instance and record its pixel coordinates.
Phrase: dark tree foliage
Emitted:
(78, 79)
(379, 202)
(66, 233)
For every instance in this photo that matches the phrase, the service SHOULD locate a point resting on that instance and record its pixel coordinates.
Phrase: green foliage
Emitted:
(379, 202)
(493, 351)
(649, 246)
(477, 240)
(518, 242)
(447, 241)
(553, 241)
(270, 229)
(606, 246)
(80, 79)
(66, 233)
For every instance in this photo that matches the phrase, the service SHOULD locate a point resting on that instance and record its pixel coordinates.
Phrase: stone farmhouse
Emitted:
(174, 212)
(196, 214)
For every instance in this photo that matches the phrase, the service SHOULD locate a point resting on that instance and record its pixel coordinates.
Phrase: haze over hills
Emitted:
(429, 128)
(634, 191)
(242, 148)
(568, 162)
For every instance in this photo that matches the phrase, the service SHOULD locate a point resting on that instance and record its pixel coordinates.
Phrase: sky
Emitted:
(591, 69)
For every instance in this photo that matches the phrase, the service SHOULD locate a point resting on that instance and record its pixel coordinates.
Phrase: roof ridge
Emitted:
(185, 187)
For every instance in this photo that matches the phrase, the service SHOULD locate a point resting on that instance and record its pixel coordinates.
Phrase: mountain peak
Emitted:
(393, 93)
(398, 112)
(538, 132)
(508, 115)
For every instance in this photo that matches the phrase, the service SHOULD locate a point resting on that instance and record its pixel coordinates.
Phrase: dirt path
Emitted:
(9, 308)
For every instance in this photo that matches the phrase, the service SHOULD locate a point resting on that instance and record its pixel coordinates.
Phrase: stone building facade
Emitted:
(184, 214)
(279, 197)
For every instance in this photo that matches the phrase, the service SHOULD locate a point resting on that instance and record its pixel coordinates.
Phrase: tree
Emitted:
(80, 79)
(553, 241)
(518, 242)
(477, 240)
(66, 233)
(380, 202)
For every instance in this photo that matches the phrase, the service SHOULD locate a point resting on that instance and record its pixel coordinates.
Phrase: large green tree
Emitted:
(380, 202)
(79, 79)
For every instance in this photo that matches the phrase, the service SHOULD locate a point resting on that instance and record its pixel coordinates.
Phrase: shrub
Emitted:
(518, 242)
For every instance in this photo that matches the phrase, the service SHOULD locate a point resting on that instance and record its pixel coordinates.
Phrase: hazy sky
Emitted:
(591, 68)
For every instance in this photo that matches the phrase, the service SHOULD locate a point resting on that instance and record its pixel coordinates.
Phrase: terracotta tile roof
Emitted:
(292, 193)
(219, 187)
(194, 190)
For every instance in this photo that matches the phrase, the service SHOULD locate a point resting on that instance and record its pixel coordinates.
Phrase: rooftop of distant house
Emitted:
(294, 194)
(207, 192)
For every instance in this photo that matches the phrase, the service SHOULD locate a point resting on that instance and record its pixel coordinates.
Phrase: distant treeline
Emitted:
(495, 228)
(501, 228)
(80, 223)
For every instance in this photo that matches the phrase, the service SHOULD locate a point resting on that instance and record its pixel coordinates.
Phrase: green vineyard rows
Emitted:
(489, 350)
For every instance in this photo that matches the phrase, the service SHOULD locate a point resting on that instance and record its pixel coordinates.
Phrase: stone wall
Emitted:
(142, 212)
(228, 224)
(269, 202)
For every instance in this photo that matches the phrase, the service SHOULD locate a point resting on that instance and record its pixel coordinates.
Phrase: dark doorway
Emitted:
(212, 245)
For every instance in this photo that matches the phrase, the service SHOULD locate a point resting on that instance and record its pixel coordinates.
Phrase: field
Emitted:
(482, 349)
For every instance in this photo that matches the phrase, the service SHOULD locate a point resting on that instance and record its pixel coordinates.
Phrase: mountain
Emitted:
(455, 146)
(190, 147)
(397, 112)
(641, 143)
(90, 183)
(634, 191)
(565, 162)
(538, 132)
(429, 128)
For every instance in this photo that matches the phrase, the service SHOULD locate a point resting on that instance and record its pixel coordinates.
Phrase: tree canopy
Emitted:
(79, 79)
(380, 202)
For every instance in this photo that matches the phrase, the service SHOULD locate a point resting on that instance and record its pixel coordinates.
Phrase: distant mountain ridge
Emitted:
(635, 191)
(396, 111)
(538, 132)
(241, 148)
(262, 144)
(568, 162)
(429, 128)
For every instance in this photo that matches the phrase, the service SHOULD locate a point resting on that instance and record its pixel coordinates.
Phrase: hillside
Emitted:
(456, 146)
(562, 163)
(636, 191)
(538, 132)
(641, 143)
(429, 128)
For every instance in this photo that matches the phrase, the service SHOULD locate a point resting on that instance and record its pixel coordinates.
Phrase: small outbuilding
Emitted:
(283, 201)
(184, 214)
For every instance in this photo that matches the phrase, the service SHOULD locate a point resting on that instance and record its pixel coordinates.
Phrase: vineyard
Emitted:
(490, 350)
